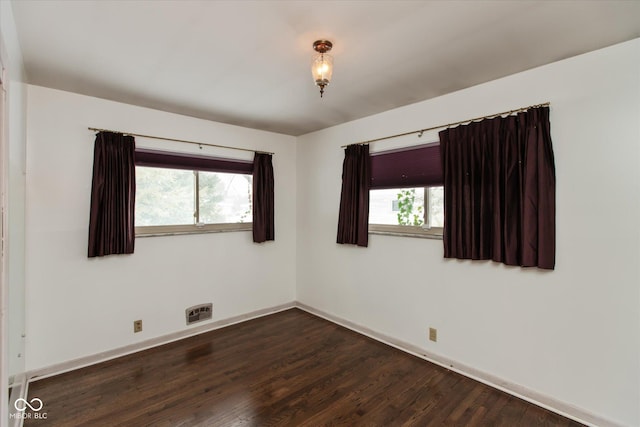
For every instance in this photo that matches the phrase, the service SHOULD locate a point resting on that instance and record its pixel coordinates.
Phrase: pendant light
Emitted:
(322, 64)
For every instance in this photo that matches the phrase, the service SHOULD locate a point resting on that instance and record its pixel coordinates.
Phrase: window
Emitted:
(406, 195)
(174, 196)
(408, 211)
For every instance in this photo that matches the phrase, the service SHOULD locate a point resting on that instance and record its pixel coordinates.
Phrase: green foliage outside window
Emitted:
(212, 192)
(164, 196)
(408, 212)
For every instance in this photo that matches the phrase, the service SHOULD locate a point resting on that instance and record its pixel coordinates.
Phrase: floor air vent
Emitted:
(198, 313)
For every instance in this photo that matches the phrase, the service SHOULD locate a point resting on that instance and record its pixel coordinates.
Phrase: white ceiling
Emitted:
(248, 62)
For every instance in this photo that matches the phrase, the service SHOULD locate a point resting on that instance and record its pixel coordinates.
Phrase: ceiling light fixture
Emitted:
(322, 64)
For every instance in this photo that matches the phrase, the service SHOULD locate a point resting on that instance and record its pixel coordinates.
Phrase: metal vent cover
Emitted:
(198, 313)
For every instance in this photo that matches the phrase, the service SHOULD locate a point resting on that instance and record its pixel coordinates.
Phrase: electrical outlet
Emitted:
(137, 326)
(433, 334)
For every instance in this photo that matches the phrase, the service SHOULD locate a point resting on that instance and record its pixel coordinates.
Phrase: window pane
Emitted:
(225, 197)
(164, 196)
(436, 207)
(398, 206)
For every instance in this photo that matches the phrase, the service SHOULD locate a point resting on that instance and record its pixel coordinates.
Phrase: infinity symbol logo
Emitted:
(22, 404)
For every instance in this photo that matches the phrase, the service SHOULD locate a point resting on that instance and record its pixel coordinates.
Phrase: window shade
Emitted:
(164, 159)
(417, 166)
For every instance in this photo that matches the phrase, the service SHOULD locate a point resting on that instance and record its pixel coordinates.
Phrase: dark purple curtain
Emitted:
(113, 188)
(499, 184)
(263, 198)
(353, 220)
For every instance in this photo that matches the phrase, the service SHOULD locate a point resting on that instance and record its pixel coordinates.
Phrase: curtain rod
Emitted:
(421, 131)
(180, 140)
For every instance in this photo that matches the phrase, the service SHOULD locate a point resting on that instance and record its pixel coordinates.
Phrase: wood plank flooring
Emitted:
(287, 369)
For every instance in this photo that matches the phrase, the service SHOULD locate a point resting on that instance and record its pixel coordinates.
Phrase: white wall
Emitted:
(78, 306)
(573, 334)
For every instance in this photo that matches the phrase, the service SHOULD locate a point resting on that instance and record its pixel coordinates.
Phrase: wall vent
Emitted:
(199, 313)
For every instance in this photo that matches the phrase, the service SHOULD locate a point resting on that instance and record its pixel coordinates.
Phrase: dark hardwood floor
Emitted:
(286, 369)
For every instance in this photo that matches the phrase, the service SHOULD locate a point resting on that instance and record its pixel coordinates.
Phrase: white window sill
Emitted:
(406, 231)
(177, 230)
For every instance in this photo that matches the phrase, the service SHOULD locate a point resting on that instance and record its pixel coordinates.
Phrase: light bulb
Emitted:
(322, 68)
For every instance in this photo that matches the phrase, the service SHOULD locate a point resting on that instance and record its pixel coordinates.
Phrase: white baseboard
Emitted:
(532, 396)
(517, 390)
(82, 362)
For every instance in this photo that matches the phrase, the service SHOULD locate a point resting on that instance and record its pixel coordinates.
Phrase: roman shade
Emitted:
(417, 166)
(172, 160)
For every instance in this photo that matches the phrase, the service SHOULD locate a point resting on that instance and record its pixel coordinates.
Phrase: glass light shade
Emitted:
(322, 68)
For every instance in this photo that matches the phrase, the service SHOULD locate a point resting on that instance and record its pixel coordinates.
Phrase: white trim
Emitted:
(4, 241)
(517, 390)
(82, 362)
(19, 390)
(175, 230)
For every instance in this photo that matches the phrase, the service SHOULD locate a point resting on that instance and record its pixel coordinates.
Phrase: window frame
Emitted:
(170, 230)
(182, 161)
(417, 166)
(423, 231)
